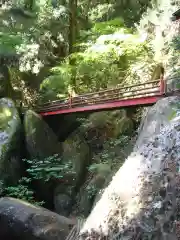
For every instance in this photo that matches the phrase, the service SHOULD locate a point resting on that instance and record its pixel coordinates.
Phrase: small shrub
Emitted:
(39, 169)
(92, 191)
(48, 168)
(22, 191)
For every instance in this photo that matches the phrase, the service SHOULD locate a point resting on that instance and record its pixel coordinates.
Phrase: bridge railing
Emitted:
(156, 87)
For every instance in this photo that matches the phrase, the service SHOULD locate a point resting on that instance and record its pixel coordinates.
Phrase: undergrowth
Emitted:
(45, 169)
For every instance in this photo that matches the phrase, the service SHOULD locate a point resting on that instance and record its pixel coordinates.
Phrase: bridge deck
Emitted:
(134, 95)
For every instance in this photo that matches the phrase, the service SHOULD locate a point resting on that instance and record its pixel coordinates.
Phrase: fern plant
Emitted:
(22, 191)
(39, 169)
(49, 168)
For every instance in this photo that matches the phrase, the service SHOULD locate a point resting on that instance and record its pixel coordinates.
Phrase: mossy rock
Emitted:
(156, 118)
(124, 126)
(92, 186)
(76, 151)
(10, 133)
(40, 139)
(22, 220)
(101, 127)
(41, 142)
(62, 204)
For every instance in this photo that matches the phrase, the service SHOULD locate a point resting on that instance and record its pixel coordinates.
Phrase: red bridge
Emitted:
(142, 94)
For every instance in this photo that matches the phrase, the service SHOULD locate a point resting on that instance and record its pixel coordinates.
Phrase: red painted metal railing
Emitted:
(122, 93)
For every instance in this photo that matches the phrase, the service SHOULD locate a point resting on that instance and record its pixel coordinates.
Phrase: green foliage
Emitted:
(176, 43)
(9, 42)
(131, 10)
(92, 191)
(102, 63)
(32, 39)
(40, 34)
(107, 161)
(37, 35)
(39, 169)
(109, 156)
(101, 11)
(175, 112)
(22, 191)
(108, 27)
(49, 168)
(174, 56)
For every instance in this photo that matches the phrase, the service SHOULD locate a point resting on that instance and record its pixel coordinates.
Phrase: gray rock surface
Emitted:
(40, 139)
(20, 220)
(77, 152)
(62, 204)
(156, 118)
(142, 200)
(10, 130)
(41, 142)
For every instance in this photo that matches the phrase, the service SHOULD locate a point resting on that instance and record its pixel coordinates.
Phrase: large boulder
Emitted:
(98, 136)
(10, 133)
(40, 139)
(156, 118)
(102, 126)
(105, 164)
(90, 138)
(21, 220)
(142, 200)
(173, 82)
(62, 203)
(77, 152)
(41, 142)
(91, 188)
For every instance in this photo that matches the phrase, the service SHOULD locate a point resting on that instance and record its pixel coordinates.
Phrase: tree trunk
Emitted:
(72, 35)
(87, 11)
(142, 201)
(72, 24)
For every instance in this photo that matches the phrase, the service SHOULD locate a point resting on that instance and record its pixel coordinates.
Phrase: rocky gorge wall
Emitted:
(89, 149)
(156, 144)
(144, 204)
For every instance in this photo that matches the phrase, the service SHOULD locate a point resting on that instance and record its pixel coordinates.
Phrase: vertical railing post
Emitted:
(162, 85)
(70, 100)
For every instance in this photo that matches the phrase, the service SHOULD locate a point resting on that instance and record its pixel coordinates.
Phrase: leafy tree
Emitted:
(37, 33)
(105, 60)
(42, 34)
